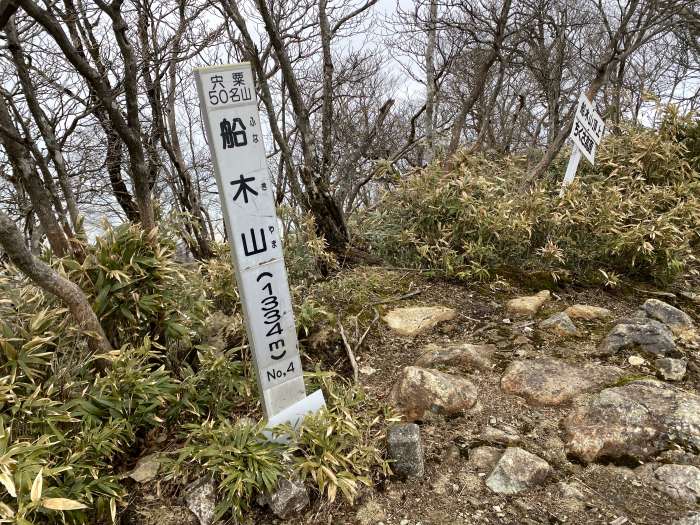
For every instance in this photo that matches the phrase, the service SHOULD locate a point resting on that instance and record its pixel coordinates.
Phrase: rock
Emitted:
(679, 481)
(587, 312)
(571, 496)
(288, 498)
(146, 468)
(415, 320)
(571, 490)
(367, 370)
(421, 389)
(677, 320)
(484, 458)
(637, 420)
(508, 436)
(200, 497)
(650, 335)
(405, 450)
(516, 471)
(636, 360)
(462, 354)
(671, 369)
(692, 518)
(560, 324)
(691, 296)
(528, 305)
(370, 513)
(550, 381)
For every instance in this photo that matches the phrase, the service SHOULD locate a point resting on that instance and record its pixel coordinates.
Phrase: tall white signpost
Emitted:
(586, 133)
(229, 108)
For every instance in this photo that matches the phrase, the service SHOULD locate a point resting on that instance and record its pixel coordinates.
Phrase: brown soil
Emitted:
(453, 492)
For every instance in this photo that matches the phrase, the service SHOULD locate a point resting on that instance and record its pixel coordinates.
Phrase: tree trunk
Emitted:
(51, 281)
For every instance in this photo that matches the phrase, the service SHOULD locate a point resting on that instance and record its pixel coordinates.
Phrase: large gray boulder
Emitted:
(421, 390)
(677, 320)
(405, 450)
(517, 470)
(637, 420)
(552, 382)
(649, 335)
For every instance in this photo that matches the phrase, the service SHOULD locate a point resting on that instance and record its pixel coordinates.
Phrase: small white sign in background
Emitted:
(232, 122)
(586, 133)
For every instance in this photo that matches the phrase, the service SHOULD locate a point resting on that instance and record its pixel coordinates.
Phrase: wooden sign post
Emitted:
(586, 133)
(232, 122)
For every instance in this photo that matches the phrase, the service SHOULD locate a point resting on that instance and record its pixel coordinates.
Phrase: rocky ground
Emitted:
(579, 406)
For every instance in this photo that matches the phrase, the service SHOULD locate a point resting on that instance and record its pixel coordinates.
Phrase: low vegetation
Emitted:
(180, 381)
(636, 215)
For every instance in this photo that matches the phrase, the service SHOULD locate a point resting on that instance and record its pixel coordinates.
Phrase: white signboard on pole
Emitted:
(229, 108)
(588, 128)
(586, 133)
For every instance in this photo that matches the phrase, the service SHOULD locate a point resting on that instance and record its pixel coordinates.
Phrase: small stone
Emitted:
(405, 450)
(528, 305)
(560, 324)
(677, 320)
(517, 471)
(367, 370)
(571, 490)
(507, 321)
(671, 369)
(421, 390)
(464, 355)
(404, 522)
(200, 497)
(679, 481)
(691, 296)
(289, 497)
(500, 437)
(146, 468)
(415, 320)
(650, 335)
(621, 520)
(484, 458)
(552, 382)
(587, 312)
(636, 360)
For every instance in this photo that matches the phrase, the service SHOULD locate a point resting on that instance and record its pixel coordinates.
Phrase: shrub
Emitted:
(637, 215)
(337, 447)
(60, 437)
(137, 289)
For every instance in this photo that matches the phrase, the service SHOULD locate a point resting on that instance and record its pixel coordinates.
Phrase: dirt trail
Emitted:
(453, 490)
